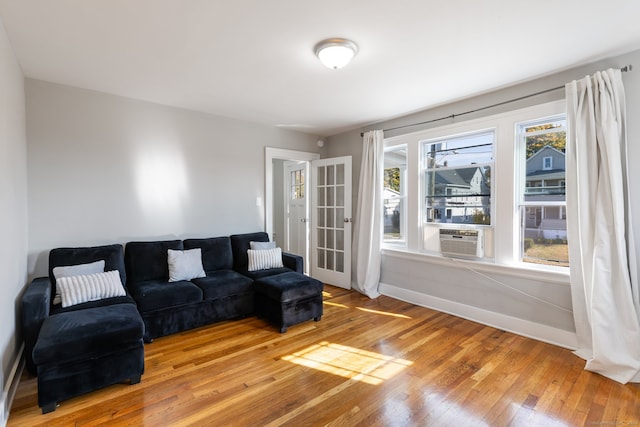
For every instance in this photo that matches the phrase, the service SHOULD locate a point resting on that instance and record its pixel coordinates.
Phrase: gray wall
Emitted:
(458, 285)
(106, 169)
(13, 205)
(278, 201)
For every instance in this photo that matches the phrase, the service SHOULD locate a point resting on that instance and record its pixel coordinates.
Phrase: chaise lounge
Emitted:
(81, 347)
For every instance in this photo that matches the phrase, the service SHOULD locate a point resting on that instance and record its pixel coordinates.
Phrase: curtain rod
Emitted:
(452, 116)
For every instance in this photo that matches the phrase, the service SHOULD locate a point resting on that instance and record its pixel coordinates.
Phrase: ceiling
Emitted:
(253, 59)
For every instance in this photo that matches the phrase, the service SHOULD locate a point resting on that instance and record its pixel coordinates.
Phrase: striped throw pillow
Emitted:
(264, 259)
(90, 287)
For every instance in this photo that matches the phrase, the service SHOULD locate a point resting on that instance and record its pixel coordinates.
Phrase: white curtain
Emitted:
(368, 223)
(602, 255)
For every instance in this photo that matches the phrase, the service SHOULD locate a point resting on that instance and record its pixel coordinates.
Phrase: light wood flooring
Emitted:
(368, 362)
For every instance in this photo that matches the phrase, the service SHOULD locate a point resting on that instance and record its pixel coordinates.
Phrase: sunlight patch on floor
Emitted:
(366, 366)
(335, 304)
(386, 313)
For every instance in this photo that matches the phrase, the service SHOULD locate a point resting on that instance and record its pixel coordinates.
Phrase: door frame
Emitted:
(281, 154)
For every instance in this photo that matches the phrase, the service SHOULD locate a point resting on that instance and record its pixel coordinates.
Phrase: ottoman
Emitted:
(81, 351)
(288, 298)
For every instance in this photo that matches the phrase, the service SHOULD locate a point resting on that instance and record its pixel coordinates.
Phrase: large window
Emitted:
(494, 186)
(542, 201)
(394, 194)
(457, 179)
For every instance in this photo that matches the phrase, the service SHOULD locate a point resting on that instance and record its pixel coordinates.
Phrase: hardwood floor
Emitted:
(368, 362)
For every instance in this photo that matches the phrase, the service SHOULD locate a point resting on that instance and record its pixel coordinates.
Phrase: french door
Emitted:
(331, 221)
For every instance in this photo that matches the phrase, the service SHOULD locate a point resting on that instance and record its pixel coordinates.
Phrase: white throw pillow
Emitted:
(265, 259)
(258, 246)
(75, 270)
(90, 287)
(185, 265)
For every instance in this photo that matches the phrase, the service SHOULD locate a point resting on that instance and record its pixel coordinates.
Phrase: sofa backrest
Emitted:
(240, 245)
(113, 256)
(216, 252)
(148, 260)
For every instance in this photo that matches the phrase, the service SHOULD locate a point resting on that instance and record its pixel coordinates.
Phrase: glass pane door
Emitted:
(332, 221)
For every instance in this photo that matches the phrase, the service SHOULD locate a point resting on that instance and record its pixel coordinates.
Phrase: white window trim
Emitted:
(506, 239)
(544, 163)
(404, 197)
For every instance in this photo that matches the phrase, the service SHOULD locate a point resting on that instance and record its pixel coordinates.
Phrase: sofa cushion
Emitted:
(113, 256)
(185, 265)
(265, 273)
(148, 260)
(216, 252)
(223, 283)
(290, 286)
(159, 294)
(88, 333)
(240, 243)
(127, 299)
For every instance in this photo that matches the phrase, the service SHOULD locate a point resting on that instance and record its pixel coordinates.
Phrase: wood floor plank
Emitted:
(379, 362)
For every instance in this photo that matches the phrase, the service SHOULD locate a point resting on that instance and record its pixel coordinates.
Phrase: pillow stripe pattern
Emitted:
(75, 270)
(90, 287)
(264, 259)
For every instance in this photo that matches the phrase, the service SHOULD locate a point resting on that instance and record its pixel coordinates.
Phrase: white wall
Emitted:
(458, 290)
(13, 206)
(106, 169)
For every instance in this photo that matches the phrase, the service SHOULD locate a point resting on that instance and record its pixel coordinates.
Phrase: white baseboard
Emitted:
(11, 386)
(518, 326)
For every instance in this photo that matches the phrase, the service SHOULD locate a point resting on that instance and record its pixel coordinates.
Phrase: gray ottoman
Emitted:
(288, 298)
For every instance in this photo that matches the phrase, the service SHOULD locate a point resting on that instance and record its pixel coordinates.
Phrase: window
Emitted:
(457, 179)
(502, 176)
(297, 184)
(394, 194)
(542, 201)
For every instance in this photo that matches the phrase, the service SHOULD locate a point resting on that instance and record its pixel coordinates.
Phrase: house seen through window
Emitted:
(457, 179)
(394, 193)
(542, 202)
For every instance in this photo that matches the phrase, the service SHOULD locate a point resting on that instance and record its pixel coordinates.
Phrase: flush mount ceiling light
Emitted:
(335, 53)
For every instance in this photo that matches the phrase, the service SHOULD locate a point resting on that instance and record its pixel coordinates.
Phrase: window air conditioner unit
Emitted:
(462, 243)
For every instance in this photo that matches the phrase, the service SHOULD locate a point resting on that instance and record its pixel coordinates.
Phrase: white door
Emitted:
(331, 221)
(296, 209)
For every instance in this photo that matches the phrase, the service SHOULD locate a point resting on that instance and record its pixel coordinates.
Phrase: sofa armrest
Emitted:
(293, 261)
(36, 302)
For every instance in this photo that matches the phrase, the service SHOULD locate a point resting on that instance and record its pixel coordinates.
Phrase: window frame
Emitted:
(502, 243)
(521, 203)
(449, 191)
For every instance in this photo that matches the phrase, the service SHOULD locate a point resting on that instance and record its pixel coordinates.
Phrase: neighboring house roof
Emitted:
(545, 172)
(460, 177)
(545, 148)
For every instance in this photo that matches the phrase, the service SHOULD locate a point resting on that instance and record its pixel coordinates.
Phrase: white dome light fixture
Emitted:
(335, 53)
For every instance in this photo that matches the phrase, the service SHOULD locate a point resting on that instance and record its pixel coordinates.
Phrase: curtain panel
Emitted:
(602, 255)
(367, 238)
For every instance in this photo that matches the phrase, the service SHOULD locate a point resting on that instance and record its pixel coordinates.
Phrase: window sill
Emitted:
(547, 276)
